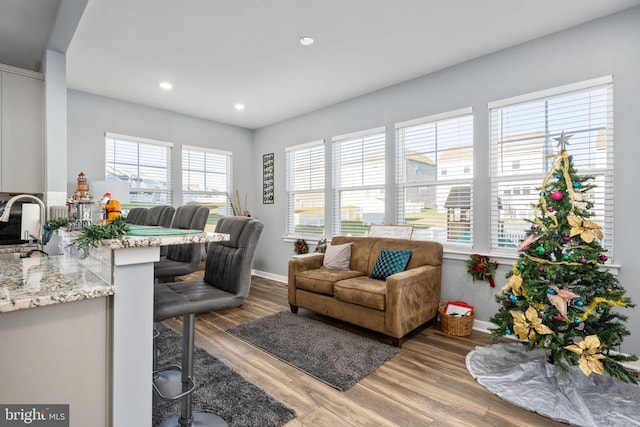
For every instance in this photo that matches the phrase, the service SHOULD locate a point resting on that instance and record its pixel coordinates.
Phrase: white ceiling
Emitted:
(218, 53)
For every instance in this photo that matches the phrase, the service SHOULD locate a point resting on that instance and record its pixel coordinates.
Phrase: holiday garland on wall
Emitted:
(480, 267)
(300, 247)
(558, 297)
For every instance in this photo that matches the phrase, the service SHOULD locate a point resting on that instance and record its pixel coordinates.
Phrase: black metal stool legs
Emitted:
(187, 418)
(187, 367)
(167, 381)
(156, 334)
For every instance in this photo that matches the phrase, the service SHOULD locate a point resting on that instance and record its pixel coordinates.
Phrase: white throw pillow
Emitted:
(337, 256)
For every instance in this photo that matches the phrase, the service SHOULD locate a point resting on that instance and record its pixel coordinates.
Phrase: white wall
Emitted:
(90, 116)
(605, 46)
(56, 118)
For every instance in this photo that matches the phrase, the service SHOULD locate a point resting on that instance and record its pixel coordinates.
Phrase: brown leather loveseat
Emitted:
(394, 306)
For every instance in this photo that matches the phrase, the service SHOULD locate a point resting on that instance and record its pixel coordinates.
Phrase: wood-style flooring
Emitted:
(426, 384)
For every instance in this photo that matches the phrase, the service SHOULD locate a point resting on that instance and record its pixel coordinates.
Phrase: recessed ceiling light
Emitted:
(166, 85)
(239, 107)
(306, 41)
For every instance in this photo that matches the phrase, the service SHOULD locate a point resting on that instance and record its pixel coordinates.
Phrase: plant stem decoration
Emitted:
(55, 223)
(300, 247)
(480, 267)
(52, 225)
(93, 235)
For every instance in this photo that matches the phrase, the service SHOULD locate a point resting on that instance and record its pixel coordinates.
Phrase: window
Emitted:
(305, 189)
(522, 133)
(145, 165)
(437, 200)
(358, 181)
(206, 181)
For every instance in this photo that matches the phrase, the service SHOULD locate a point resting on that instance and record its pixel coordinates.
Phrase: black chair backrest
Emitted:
(160, 215)
(188, 217)
(229, 263)
(137, 216)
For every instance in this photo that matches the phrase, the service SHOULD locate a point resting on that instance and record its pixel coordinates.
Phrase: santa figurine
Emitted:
(111, 207)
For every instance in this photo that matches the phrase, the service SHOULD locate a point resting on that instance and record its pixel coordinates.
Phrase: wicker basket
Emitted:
(458, 326)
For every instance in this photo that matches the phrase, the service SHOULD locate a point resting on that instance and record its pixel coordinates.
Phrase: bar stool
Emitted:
(137, 216)
(226, 284)
(175, 303)
(160, 215)
(181, 260)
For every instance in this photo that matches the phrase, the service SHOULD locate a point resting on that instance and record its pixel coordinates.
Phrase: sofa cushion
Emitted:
(365, 251)
(362, 291)
(337, 256)
(361, 248)
(390, 262)
(321, 280)
(424, 252)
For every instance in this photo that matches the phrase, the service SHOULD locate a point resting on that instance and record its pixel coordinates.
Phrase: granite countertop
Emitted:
(164, 240)
(151, 240)
(40, 281)
(12, 249)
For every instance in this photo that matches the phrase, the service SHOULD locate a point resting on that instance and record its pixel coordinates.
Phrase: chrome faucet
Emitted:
(43, 214)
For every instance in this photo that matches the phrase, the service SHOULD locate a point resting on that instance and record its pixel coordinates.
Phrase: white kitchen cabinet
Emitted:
(21, 131)
(58, 354)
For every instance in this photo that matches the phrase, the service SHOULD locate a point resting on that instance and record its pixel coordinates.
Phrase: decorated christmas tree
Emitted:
(559, 297)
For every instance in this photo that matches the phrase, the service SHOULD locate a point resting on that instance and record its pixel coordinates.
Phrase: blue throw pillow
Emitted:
(390, 262)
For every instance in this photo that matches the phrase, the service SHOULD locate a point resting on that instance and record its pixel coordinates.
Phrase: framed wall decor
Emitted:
(267, 179)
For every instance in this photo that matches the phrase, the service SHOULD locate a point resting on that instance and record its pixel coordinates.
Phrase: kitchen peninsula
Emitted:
(79, 332)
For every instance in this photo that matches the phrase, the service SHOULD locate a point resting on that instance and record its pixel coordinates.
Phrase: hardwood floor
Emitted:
(426, 384)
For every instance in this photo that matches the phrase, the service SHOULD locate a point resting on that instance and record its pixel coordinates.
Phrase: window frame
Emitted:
(378, 136)
(402, 183)
(604, 173)
(307, 172)
(214, 214)
(134, 192)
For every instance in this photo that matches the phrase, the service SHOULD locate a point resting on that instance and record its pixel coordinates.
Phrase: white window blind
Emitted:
(522, 137)
(206, 180)
(305, 189)
(435, 177)
(145, 165)
(358, 181)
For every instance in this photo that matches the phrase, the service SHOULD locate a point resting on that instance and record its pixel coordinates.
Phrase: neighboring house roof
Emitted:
(459, 197)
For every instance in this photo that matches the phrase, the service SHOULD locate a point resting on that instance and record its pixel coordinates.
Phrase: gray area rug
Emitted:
(528, 381)
(332, 355)
(219, 390)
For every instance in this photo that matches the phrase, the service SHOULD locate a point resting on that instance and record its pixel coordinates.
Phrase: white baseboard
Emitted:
(482, 326)
(270, 276)
(632, 366)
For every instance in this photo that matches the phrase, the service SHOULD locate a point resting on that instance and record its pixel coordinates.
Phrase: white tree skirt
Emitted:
(528, 381)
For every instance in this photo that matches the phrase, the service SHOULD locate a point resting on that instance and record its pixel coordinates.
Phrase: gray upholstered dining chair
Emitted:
(180, 260)
(163, 216)
(226, 284)
(160, 215)
(137, 216)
